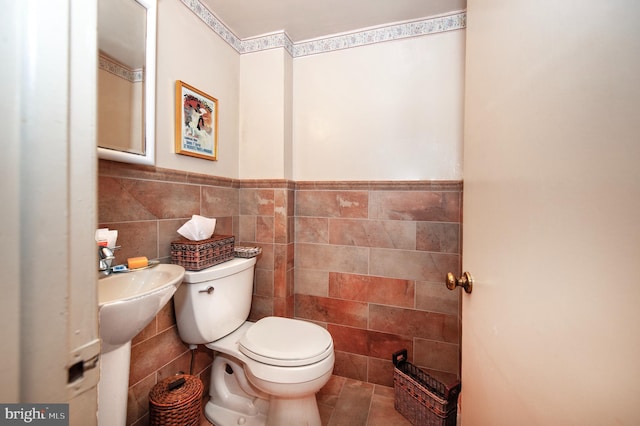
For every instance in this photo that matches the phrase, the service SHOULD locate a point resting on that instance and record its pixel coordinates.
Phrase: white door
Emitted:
(48, 168)
(551, 332)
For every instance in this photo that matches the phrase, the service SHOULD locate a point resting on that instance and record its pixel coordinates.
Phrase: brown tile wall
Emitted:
(266, 220)
(369, 263)
(147, 206)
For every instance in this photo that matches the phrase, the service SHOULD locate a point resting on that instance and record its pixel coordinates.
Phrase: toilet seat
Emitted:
(286, 342)
(257, 370)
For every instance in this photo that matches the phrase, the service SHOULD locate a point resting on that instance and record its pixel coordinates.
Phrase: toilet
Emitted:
(263, 373)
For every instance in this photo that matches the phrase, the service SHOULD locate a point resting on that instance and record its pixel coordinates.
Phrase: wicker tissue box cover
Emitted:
(197, 255)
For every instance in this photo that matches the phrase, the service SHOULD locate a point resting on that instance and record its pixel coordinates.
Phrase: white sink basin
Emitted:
(129, 301)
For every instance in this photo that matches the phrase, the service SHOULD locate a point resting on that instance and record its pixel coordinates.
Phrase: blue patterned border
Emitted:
(440, 24)
(382, 34)
(214, 23)
(109, 65)
(272, 41)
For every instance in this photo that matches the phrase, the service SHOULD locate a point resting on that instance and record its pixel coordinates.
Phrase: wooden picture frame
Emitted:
(196, 122)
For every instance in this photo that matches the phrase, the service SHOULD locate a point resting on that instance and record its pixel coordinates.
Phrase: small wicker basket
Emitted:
(198, 255)
(176, 400)
(247, 252)
(420, 398)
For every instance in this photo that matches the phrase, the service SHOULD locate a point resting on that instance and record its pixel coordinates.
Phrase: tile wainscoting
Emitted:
(370, 262)
(366, 260)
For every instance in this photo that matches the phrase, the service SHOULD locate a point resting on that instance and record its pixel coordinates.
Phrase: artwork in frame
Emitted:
(196, 122)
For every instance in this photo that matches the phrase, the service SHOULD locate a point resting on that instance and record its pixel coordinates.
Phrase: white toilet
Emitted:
(264, 373)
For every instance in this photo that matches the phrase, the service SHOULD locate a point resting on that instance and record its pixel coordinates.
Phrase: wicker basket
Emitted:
(420, 398)
(176, 400)
(197, 255)
(247, 252)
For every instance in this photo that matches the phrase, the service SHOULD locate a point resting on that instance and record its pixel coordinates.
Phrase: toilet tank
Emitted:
(213, 302)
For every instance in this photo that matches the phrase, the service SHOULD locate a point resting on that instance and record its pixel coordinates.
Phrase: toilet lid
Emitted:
(286, 342)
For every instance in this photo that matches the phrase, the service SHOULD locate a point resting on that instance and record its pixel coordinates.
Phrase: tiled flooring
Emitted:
(349, 402)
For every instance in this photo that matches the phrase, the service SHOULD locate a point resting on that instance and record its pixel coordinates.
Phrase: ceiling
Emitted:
(309, 19)
(121, 31)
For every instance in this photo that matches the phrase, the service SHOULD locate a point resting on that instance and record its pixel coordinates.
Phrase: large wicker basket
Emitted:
(197, 255)
(176, 400)
(420, 398)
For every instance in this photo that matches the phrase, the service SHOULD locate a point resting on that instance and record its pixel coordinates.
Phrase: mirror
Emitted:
(126, 80)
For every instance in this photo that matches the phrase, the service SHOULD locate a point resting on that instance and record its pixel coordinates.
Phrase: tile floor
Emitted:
(350, 402)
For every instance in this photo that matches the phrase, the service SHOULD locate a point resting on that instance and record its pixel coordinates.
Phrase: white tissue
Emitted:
(198, 228)
(110, 236)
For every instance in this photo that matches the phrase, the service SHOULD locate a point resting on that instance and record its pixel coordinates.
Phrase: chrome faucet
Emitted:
(105, 257)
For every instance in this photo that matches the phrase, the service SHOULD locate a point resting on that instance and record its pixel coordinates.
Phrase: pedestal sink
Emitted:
(127, 303)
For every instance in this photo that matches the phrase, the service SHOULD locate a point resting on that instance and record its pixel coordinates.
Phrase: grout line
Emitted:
(333, 409)
(373, 392)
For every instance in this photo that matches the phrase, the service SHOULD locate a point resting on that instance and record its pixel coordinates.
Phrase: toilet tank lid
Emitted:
(286, 339)
(218, 271)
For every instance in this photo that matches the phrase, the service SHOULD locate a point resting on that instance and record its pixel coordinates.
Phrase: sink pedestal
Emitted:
(128, 302)
(113, 389)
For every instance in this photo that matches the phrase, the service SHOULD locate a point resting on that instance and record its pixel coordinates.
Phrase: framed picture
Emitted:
(196, 122)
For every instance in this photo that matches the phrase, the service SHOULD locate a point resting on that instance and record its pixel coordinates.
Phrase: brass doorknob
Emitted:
(465, 281)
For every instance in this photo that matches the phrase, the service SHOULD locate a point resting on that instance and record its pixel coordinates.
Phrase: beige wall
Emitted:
(189, 51)
(119, 112)
(265, 114)
(388, 111)
(384, 111)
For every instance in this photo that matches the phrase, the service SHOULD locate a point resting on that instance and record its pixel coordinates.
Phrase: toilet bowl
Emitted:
(290, 390)
(264, 373)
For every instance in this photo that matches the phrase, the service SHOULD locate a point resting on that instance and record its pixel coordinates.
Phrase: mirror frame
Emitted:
(148, 157)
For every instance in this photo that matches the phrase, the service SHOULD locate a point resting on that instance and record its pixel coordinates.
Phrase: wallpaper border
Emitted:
(364, 37)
